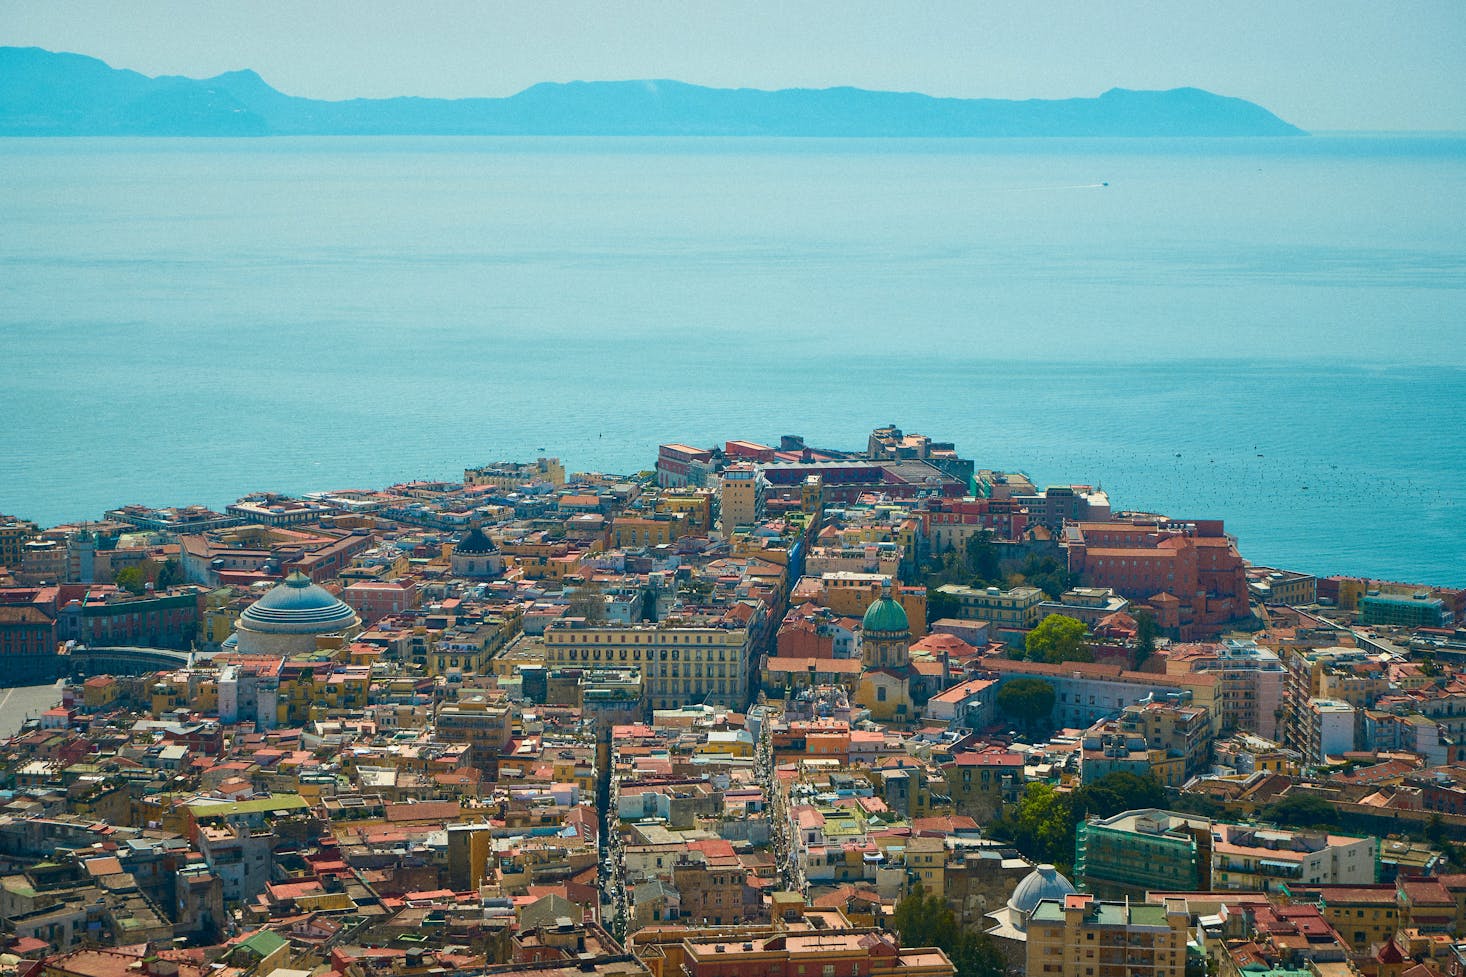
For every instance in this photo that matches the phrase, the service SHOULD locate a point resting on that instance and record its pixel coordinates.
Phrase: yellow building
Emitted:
(641, 531)
(510, 475)
(99, 692)
(1350, 590)
(296, 693)
(849, 594)
(926, 860)
(1016, 608)
(885, 651)
(13, 536)
(681, 660)
(740, 497)
(1364, 915)
(1083, 937)
(729, 742)
(220, 613)
(696, 504)
(343, 690)
(466, 650)
(469, 848)
(548, 559)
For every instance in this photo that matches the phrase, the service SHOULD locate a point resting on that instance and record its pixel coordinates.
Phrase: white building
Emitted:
(1330, 729)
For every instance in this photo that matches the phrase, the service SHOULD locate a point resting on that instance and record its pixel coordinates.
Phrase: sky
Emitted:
(1340, 64)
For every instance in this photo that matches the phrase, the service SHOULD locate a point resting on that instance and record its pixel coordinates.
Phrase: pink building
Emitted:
(376, 599)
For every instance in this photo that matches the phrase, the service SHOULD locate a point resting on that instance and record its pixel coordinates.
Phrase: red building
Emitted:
(680, 464)
(943, 520)
(374, 600)
(1193, 564)
(27, 644)
(103, 616)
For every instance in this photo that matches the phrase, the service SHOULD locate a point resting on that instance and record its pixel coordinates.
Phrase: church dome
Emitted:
(297, 606)
(884, 614)
(1044, 882)
(475, 544)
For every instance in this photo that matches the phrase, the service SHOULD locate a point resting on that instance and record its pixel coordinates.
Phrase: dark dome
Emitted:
(475, 543)
(297, 606)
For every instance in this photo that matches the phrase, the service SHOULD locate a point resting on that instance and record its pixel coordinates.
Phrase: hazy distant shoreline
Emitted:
(62, 94)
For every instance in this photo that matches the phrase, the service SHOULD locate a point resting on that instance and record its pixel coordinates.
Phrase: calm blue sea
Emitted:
(1268, 331)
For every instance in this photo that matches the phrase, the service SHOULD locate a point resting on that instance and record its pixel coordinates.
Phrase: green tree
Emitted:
(1027, 701)
(1116, 792)
(1058, 639)
(1146, 630)
(976, 955)
(982, 557)
(133, 579)
(1435, 830)
(1041, 825)
(169, 574)
(1301, 811)
(940, 605)
(925, 919)
(1047, 574)
(649, 604)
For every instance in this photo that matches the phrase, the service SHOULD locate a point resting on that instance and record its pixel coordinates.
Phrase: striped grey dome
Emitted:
(297, 606)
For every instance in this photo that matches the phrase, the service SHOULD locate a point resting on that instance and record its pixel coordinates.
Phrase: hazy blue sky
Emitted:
(1322, 64)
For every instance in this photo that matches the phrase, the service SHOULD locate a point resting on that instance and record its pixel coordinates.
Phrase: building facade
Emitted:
(680, 662)
(1082, 936)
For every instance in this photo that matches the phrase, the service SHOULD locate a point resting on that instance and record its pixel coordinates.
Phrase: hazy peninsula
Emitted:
(45, 93)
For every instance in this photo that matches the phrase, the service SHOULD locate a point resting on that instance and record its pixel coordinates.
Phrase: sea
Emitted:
(1266, 331)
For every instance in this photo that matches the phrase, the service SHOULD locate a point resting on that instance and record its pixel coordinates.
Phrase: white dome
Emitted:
(1044, 882)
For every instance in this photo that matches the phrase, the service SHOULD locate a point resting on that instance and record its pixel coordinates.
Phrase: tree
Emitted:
(940, 605)
(133, 579)
(976, 955)
(982, 556)
(1047, 574)
(1116, 792)
(1146, 630)
(169, 573)
(925, 919)
(1301, 811)
(649, 597)
(1027, 701)
(1058, 639)
(1041, 825)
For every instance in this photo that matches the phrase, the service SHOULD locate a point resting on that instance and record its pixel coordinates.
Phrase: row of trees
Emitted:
(1043, 823)
(925, 919)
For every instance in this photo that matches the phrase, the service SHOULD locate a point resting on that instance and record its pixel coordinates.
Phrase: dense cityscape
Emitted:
(761, 709)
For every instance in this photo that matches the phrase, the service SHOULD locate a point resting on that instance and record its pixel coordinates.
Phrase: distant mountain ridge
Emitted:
(45, 93)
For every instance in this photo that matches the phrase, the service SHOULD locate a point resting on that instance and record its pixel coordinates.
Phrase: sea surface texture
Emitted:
(1269, 331)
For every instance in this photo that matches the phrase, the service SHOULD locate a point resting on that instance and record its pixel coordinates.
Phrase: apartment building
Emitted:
(681, 659)
(1082, 936)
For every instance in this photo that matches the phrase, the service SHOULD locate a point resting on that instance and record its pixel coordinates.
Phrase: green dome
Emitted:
(884, 614)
